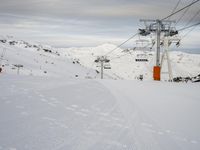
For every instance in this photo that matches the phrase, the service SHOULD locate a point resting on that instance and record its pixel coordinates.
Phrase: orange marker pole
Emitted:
(156, 73)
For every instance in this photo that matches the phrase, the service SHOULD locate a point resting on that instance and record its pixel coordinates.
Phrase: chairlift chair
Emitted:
(107, 67)
(144, 32)
(178, 43)
(142, 44)
(141, 58)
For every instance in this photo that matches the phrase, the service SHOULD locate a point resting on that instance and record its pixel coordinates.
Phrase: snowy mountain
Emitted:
(52, 105)
(37, 60)
(124, 63)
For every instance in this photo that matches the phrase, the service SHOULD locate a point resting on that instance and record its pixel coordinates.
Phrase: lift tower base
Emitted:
(156, 73)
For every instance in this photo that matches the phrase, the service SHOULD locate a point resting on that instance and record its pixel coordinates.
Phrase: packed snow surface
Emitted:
(59, 114)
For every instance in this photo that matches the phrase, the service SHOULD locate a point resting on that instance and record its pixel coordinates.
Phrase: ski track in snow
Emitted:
(107, 115)
(81, 120)
(145, 126)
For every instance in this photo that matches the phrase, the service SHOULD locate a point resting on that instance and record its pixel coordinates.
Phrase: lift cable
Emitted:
(192, 19)
(121, 44)
(186, 34)
(183, 14)
(196, 24)
(174, 12)
(117, 57)
(194, 2)
(192, 28)
(161, 20)
(174, 9)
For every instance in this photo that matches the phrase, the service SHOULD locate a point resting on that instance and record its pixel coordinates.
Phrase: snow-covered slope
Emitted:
(37, 60)
(42, 60)
(50, 105)
(59, 114)
(183, 64)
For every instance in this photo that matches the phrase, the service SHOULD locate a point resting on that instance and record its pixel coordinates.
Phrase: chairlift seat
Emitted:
(107, 67)
(141, 60)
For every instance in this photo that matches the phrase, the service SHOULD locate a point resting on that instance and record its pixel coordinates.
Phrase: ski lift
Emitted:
(153, 42)
(98, 65)
(143, 44)
(144, 32)
(141, 58)
(107, 66)
(171, 31)
(170, 43)
(178, 43)
(107, 60)
(161, 43)
(175, 38)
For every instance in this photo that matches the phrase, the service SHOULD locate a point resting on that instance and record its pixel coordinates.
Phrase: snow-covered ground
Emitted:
(52, 105)
(42, 60)
(59, 114)
(38, 60)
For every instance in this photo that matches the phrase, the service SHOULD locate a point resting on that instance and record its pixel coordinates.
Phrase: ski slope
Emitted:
(63, 113)
(38, 60)
(56, 102)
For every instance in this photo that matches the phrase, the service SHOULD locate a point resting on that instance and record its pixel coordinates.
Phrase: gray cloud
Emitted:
(88, 9)
(47, 20)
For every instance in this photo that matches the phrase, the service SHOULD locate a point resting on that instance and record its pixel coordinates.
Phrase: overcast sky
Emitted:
(65, 23)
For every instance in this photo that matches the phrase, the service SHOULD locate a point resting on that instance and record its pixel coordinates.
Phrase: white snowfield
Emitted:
(62, 110)
(38, 60)
(38, 113)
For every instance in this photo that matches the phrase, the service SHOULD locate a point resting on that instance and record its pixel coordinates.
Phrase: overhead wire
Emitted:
(167, 17)
(186, 34)
(196, 24)
(191, 20)
(173, 13)
(121, 44)
(183, 14)
(181, 17)
(176, 6)
(117, 57)
(194, 2)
